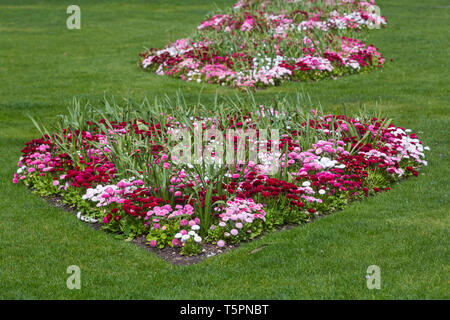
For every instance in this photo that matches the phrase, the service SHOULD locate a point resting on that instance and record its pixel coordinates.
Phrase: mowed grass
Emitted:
(404, 231)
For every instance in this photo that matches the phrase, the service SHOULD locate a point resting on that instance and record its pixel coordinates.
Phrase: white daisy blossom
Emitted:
(85, 219)
(326, 162)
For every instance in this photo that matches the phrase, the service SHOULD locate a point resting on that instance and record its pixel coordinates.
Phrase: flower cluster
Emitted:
(241, 219)
(261, 43)
(130, 179)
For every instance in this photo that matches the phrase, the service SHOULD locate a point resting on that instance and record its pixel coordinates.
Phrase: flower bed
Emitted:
(186, 177)
(263, 43)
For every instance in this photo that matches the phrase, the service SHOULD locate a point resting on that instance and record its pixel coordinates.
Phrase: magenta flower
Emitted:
(176, 242)
(107, 218)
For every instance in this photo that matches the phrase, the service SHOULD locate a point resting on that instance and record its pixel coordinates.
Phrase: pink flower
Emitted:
(234, 232)
(153, 243)
(109, 190)
(248, 24)
(55, 182)
(107, 218)
(220, 243)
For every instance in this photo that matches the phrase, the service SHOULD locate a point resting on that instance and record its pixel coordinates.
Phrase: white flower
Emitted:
(192, 233)
(195, 227)
(321, 191)
(198, 239)
(326, 162)
(354, 64)
(185, 238)
(178, 235)
(306, 184)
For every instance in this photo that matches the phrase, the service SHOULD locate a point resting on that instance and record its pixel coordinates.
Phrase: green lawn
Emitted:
(405, 231)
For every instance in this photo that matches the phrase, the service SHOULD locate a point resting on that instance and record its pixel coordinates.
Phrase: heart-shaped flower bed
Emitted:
(190, 177)
(261, 43)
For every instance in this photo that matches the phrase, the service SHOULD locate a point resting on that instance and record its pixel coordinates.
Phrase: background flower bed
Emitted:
(262, 43)
(124, 168)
